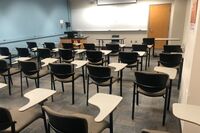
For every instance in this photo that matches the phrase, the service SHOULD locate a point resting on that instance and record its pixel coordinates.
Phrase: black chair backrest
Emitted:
(3, 66)
(115, 40)
(23, 52)
(31, 45)
(62, 70)
(99, 73)
(4, 51)
(43, 53)
(5, 119)
(68, 46)
(94, 56)
(28, 67)
(113, 47)
(66, 123)
(66, 54)
(49, 45)
(139, 47)
(89, 46)
(172, 48)
(128, 57)
(148, 41)
(151, 81)
(170, 60)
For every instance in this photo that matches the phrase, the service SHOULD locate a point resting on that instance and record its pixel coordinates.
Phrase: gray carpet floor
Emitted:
(147, 115)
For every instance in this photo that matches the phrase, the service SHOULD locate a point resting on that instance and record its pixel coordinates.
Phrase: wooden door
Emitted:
(159, 21)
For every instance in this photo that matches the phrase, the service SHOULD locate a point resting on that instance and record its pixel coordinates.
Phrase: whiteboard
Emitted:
(87, 16)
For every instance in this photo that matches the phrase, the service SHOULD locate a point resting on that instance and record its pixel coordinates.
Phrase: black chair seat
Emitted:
(42, 73)
(23, 119)
(69, 79)
(12, 72)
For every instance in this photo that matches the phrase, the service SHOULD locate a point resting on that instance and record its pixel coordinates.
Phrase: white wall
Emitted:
(190, 90)
(131, 36)
(178, 19)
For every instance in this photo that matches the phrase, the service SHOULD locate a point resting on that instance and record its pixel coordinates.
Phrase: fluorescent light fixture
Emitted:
(111, 2)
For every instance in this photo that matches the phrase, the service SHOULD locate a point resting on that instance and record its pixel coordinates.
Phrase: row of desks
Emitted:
(121, 40)
(97, 99)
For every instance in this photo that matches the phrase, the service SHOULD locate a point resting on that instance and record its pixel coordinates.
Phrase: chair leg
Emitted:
(133, 103)
(110, 86)
(97, 89)
(5, 79)
(146, 62)
(149, 56)
(9, 84)
(13, 128)
(52, 99)
(54, 86)
(62, 86)
(83, 79)
(73, 91)
(164, 113)
(45, 121)
(180, 74)
(118, 76)
(87, 90)
(27, 82)
(141, 65)
(21, 83)
(11, 80)
(36, 84)
(48, 128)
(165, 107)
(137, 97)
(86, 73)
(52, 83)
(10, 60)
(110, 89)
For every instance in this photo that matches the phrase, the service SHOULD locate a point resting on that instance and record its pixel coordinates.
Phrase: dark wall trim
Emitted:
(21, 40)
